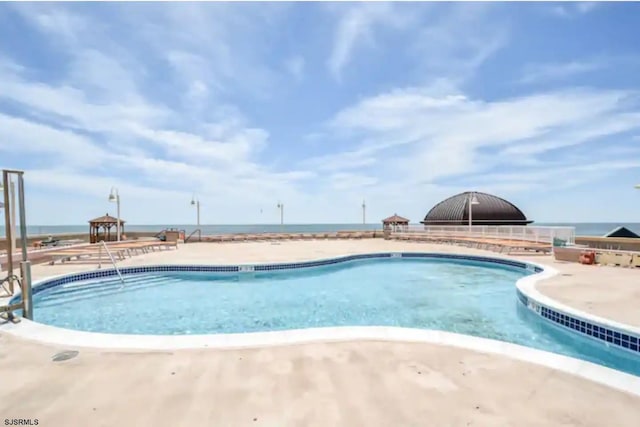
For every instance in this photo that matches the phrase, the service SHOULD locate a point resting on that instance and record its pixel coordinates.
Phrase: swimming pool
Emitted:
(462, 296)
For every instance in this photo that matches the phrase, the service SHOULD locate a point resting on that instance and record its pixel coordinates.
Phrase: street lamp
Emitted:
(364, 214)
(196, 202)
(114, 196)
(281, 207)
(473, 200)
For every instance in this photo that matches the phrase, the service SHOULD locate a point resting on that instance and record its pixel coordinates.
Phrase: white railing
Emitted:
(561, 235)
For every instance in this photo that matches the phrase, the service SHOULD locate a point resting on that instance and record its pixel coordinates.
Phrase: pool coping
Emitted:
(576, 321)
(527, 293)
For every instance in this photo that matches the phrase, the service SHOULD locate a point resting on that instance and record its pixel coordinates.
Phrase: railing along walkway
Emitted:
(538, 234)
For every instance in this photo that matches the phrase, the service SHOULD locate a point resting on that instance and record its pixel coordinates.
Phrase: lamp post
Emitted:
(196, 202)
(281, 207)
(114, 196)
(364, 213)
(473, 200)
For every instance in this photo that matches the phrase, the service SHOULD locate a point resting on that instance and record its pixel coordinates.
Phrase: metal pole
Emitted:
(118, 220)
(198, 209)
(364, 210)
(7, 228)
(281, 207)
(23, 217)
(27, 297)
(470, 210)
(12, 189)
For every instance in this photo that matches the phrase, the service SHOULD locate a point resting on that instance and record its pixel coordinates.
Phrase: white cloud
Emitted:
(447, 43)
(196, 162)
(99, 143)
(59, 22)
(580, 133)
(102, 75)
(426, 139)
(164, 105)
(224, 46)
(572, 9)
(458, 41)
(61, 147)
(198, 90)
(344, 181)
(357, 25)
(586, 6)
(238, 147)
(295, 67)
(346, 160)
(73, 107)
(542, 72)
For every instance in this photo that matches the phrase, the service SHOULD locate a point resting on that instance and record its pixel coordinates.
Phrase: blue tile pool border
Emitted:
(242, 268)
(626, 340)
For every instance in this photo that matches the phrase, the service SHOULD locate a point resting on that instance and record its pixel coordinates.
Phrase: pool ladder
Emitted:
(113, 261)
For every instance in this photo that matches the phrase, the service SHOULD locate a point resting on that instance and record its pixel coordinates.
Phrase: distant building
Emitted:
(490, 210)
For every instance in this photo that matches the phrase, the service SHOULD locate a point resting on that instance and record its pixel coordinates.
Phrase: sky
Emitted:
(320, 106)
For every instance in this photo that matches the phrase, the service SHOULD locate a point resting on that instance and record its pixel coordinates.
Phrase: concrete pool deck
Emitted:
(332, 384)
(349, 383)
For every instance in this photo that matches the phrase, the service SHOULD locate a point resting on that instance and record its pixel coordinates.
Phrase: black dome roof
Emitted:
(490, 210)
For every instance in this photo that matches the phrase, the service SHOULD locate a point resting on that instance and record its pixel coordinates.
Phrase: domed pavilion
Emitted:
(486, 209)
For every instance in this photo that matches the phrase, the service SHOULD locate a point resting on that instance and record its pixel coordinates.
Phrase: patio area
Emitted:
(347, 383)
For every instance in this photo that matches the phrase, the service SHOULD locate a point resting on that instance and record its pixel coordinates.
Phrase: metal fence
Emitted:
(556, 236)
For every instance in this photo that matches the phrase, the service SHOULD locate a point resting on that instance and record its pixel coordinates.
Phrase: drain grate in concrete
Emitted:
(64, 355)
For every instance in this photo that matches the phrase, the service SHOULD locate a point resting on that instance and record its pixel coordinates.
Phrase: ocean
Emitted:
(582, 229)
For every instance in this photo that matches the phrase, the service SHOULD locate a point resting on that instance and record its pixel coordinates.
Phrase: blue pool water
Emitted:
(457, 296)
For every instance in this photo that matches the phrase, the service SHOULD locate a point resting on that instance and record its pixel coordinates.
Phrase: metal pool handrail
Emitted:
(113, 261)
(197, 230)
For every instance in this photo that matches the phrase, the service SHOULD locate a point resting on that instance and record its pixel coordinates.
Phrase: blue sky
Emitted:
(320, 105)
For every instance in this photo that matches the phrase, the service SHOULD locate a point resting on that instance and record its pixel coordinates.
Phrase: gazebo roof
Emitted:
(106, 219)
(622, 232)
(395, 218)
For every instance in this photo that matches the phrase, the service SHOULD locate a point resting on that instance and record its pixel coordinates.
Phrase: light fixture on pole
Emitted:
(281, 207)
(196, 202)
(473, 200)
(364, 213)
(114, 196)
